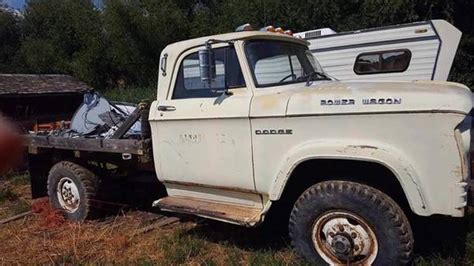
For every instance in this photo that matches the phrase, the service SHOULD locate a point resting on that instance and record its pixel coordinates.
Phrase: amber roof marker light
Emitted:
(269, 28)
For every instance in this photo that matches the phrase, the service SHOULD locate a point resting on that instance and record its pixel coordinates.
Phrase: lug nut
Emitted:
(341, 228)
(356, 247)
(353, 235)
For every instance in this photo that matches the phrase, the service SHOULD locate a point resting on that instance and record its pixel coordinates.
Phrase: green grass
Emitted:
(20, 207)
(20, 180)
(181, 247)
(265, 257)
(7, 194)
(130, 95)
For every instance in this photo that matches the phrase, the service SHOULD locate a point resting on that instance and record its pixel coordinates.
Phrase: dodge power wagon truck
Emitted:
(247, 123)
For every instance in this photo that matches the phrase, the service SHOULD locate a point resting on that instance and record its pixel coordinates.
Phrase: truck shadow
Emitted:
(436, 236)
(444, 237)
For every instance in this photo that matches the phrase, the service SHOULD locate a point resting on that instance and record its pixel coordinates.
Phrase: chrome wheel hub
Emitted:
(341, 237)
(68, 194)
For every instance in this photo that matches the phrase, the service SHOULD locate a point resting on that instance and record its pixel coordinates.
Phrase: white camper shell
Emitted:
(414, 51)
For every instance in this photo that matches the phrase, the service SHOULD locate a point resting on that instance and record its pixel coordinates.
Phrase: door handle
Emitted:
(166, 108)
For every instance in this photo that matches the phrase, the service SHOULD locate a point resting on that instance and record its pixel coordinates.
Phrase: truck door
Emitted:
(202, 137)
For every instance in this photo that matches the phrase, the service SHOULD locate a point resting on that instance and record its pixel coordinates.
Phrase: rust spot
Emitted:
(245, 216)
(363, 147)
(236, 189)
(457, 171)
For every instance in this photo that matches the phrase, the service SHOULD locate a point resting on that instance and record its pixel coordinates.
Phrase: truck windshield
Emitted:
(276, 63)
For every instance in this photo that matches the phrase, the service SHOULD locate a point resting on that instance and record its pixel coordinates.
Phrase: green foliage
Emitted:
(120, 45)
(130, 95)
(10, 32)
(137, 31)
(64, 36)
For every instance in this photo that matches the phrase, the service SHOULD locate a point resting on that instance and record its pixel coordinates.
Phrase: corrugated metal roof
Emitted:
(27, 84)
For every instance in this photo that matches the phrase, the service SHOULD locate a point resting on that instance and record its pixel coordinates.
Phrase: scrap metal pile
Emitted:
(97, 117)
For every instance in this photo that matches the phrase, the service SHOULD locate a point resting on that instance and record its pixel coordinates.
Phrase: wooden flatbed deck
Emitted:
(131, 146)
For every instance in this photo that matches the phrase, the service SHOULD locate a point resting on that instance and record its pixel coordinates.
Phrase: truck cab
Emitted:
(246, 121)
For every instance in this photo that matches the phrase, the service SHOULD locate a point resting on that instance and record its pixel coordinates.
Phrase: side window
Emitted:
(228, 75)
(382, 62)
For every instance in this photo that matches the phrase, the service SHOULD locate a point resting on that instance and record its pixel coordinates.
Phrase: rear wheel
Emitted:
(340, 222)
(71, 188)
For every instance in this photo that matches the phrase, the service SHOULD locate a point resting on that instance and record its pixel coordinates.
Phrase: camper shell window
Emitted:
(382, 62)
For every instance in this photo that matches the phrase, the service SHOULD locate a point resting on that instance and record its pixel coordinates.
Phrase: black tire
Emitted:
(375, 210)
(86, 185)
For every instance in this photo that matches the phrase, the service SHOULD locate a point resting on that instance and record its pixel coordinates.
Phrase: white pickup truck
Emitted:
(247, 123)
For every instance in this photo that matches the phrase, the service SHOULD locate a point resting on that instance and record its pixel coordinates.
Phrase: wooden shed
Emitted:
(31, 99)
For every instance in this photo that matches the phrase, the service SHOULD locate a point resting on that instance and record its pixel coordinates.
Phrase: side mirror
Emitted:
(207, 64)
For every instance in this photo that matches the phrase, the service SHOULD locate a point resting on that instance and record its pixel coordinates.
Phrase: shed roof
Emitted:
(28, 84)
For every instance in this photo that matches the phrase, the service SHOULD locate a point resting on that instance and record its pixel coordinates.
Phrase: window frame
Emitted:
(194, 50)
(380, 53)
(252, 69)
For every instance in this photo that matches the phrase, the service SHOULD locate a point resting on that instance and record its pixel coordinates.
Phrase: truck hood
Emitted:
(378, 97)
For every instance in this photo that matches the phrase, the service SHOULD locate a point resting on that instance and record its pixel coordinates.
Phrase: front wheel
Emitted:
(341, 222)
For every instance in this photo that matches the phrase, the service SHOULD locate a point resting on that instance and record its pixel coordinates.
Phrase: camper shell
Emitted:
(414, 51)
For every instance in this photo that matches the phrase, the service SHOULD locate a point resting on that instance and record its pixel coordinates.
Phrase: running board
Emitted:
(241, 215)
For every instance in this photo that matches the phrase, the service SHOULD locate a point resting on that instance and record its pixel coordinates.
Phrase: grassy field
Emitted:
(46, 238)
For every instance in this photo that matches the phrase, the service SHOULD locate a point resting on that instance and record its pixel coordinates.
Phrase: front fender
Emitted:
(381, 153)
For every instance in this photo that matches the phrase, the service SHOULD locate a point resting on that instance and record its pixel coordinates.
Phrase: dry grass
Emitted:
(113, 240)
(45, 238)
(14, 195)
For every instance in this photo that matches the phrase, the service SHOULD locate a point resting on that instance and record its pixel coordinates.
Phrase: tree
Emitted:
(121, 42)
(64, 36)
(10, 34)
(137, 31)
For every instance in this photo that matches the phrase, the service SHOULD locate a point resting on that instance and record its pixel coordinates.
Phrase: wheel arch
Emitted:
(338, 159)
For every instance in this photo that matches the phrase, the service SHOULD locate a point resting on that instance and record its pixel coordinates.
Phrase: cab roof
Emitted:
(169, 55)
(235, 36)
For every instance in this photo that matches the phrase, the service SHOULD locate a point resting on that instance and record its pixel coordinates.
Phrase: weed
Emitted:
(20, 207)
(234, 256)
(209, 262)
(181, 247)
(20, 180)
(267, 257)
(67, 258)
(145, 262)
(8, 194)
